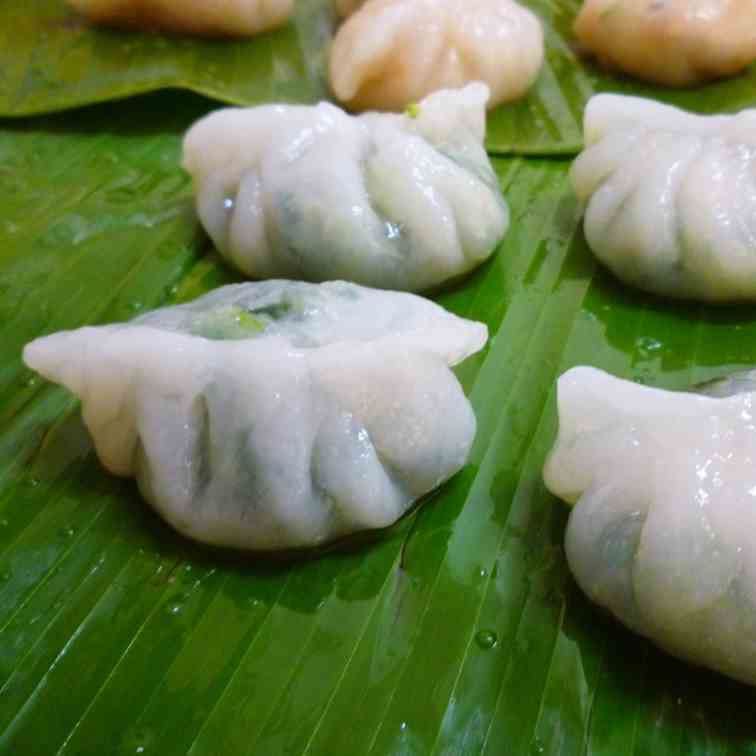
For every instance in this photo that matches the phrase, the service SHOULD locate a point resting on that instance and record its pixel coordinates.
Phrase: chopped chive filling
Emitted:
(413, 110)
(226, 323)
(274, 311)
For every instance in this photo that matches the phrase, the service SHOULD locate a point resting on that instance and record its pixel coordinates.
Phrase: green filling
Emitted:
(413, 110)
(226, 324)
(274, 311)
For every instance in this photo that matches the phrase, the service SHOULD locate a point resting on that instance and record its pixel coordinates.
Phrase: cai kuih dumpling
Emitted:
(663, 528)
(278, 414)
(310, 192)
(227, 18)
(392, 52)
(671, 197)
(672, 42)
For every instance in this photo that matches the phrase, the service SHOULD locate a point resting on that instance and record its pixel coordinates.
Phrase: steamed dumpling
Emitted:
(671, 197)
(395, 201)
(673, 42)
(232, 18)
(277, 414)
(663, 529)
(394, 52)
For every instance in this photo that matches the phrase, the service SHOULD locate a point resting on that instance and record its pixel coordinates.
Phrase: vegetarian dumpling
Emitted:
(277, 414)
(671, 197)
(663, 529)
(394, 201)
(231, 18)
(673, 42)
(393, 52)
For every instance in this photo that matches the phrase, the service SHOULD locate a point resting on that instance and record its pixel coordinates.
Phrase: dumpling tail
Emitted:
(60, 358)
(582, 409)
(100, 379)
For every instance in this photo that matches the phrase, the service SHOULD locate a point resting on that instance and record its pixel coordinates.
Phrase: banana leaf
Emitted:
(51, 60)
(459, 631)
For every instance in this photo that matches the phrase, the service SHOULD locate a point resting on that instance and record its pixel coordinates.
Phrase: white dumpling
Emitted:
(672, 42)
(394, 201)
(232, 18)
(275, 415)
(663, 529)
(394, 52)
(671, 197)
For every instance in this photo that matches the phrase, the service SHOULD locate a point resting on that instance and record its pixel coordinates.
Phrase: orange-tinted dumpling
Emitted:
(673, 42)
(225, 18)
(393, 52)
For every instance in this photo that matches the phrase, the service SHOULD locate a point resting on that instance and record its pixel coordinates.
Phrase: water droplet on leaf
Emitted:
(486, 639)
(647, 346)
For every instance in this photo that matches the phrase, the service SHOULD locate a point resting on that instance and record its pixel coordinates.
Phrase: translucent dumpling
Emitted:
(278, 414)
(673, 42)
(393, 52)
(671, 197)
(232, 18)
(395, 201)
(663, 529)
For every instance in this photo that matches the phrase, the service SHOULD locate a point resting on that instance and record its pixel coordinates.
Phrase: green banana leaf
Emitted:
(51, 60)
(459, 631)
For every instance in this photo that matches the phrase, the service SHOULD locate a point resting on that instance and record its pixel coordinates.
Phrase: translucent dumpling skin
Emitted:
(672, 42)
(671, 197)
(393, 52)
(227, 18)
(663, 529)
(275, 415)
(394, 201)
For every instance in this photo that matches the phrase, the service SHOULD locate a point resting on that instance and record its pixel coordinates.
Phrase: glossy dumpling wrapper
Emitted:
(275, 415)
(663, 528)
(400, 202)
(393, 52)
(671, 197)
(672, 42)
(227, 18)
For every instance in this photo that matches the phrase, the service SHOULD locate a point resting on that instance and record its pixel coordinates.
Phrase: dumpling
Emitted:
(672, 42)
(671, 197)
(663, 529)
(275, 415)
(227, 18)
(394, 52)
(394, 201)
